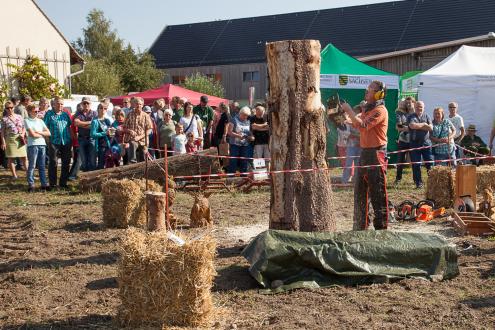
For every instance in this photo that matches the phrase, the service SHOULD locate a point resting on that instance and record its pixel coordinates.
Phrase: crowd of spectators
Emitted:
(48, 135)
(40, 136)
(443, 140)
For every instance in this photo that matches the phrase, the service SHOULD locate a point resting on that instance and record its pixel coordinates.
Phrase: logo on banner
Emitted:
(343, 80)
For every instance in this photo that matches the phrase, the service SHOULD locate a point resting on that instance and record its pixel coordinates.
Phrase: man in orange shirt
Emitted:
(370, 182)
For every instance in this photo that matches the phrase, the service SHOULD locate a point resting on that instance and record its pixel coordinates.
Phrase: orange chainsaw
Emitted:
(423, 211)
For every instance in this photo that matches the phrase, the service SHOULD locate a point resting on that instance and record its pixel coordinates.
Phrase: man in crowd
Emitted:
(58, 122)
(126, 106)
(20, 109)
(177, 106)
(401, 115)
(205, 113)
(137, 127)
(458, 123)
(87, 149)
(370, 182)
(420, 126)
(475, 144)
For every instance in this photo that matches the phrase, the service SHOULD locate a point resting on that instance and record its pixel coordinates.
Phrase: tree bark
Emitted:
(186, 164)
(155, 202)
(302, 200)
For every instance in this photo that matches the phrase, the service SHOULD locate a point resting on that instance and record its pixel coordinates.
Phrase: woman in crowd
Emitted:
(167, 131)
(191, 122)
(36, 147)
(99, 132)
(117, 141)
(13, 137)
(239, 133)
(443, 134)
(353, 149)
(220, 132)
(43, 107)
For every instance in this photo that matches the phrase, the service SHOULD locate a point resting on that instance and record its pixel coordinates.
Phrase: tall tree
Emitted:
(137, 70)
(99, 40)
(99, 78)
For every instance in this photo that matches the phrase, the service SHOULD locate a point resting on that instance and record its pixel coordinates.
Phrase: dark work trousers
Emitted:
(370, 184)
(65, 155)
(401, 158)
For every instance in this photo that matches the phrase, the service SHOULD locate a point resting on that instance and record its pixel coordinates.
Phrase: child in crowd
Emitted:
(192, 144)
(179, 140)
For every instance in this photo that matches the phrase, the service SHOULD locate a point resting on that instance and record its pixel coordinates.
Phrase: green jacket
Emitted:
(205, 114)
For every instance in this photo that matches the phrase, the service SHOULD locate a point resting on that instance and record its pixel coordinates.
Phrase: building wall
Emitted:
(231, 77)
(421, 61)
(30, 33)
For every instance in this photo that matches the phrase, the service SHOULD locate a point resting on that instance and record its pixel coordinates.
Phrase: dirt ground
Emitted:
(58, 270)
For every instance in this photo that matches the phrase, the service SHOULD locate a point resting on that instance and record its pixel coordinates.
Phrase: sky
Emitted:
(139, 22)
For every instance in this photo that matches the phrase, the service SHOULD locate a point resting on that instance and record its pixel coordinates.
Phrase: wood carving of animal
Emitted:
(200, 212)
(487, 206)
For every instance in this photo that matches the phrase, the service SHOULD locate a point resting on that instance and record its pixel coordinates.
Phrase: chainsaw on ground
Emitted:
(423, 211)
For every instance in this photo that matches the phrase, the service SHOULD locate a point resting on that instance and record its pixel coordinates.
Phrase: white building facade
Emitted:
(30, 32)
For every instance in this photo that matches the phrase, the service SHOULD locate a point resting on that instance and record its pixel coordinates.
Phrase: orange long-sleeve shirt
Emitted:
(374, 128)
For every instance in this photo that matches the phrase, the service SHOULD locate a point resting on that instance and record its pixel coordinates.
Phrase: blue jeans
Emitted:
(238, 151)
(102, 150)
(416, 156)
(36, 157)
(401, 158)
(87, 152)
(350, 152)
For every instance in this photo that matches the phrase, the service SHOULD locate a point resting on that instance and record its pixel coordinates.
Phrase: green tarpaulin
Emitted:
(282, 260)
(343, 74)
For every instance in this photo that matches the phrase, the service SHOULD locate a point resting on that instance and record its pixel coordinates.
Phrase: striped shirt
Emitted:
(59, 126)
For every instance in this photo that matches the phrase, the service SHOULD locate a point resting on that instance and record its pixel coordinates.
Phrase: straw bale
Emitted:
(485, 177)
(163, 283)
(124, 202)
(440, 186)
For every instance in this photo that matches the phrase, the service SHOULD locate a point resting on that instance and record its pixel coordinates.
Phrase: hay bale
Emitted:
(163, 283)
(440, 186)
(124, 202)
(485, 177)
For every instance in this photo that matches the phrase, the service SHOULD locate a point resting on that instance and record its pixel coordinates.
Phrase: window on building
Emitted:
(251, 76)
(177, 80)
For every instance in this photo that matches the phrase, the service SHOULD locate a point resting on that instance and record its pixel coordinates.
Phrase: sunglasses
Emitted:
(9, 108)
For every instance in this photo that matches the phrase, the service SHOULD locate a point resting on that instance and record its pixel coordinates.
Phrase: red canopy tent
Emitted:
(169, 90)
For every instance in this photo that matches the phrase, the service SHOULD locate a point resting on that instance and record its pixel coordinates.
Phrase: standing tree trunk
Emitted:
(302, 200)
(155, 202)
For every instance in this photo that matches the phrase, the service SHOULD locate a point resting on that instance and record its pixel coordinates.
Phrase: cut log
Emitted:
(180, 165)
(302, 200)
(155, 202)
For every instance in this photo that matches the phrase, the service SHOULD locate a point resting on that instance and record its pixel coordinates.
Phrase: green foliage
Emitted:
(136, 71)
(33, 79)
(4, 92)
(99, 40)
(99, 78)
(200, 83)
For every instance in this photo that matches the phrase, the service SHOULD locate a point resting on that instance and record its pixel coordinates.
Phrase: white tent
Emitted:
(468, 78)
